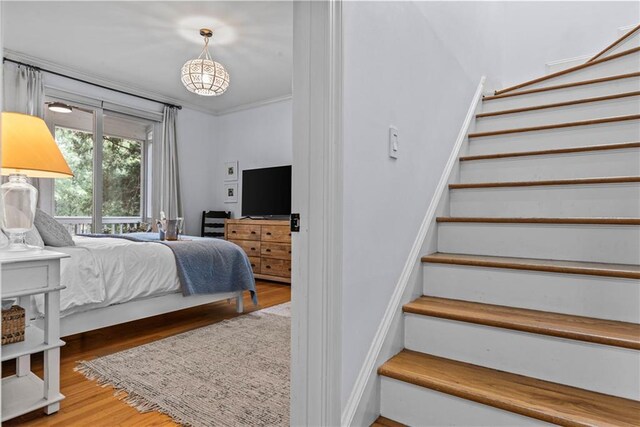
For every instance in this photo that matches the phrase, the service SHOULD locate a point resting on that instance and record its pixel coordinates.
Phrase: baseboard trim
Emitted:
(369, 369)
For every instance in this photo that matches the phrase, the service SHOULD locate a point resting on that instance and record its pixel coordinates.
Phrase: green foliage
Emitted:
(121, 165)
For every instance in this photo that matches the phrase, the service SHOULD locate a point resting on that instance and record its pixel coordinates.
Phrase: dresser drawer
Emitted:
(243, 232)
(276, 233)
(276, 267)
(276, 250)
(255, 264)
(24, 276)
(251, 247)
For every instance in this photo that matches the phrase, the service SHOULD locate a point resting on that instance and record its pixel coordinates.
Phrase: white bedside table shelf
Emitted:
(24, 274)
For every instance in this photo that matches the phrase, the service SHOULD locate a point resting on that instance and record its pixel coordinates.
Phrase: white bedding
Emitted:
(106, 271)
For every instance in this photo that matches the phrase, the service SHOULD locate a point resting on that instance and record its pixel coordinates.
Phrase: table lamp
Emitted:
(28, 150)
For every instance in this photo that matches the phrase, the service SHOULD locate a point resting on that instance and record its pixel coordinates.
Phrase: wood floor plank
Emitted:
(88, 404)
(565, 267)
(554, 403)
(386, 422)
(599, 331)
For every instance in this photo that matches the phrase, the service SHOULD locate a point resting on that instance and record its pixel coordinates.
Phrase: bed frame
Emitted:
(138, 309)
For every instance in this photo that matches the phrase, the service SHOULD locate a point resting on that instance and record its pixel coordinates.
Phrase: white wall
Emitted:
(258, 137)
(512, 41)
(408, 78)
(415, 65)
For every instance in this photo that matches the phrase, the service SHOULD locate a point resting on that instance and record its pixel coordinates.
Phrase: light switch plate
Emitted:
(394, 143)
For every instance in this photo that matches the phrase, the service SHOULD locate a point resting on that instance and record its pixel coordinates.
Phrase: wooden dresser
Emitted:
(268, 244)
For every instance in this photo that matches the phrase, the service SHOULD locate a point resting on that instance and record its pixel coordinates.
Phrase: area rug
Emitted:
(232, 373)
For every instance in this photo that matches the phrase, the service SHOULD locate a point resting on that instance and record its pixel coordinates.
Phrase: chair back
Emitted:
(213, 223)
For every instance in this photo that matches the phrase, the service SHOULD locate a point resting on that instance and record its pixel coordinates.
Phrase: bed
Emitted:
(113, 280)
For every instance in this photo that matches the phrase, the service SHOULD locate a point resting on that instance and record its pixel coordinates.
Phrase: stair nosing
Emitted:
(603, 147)
(562, 267)
(558, 104)
(562, 86)
(542, 220)
(568, 70)
(588, 122)
(520, 319)
(570, 181)
(456, 386)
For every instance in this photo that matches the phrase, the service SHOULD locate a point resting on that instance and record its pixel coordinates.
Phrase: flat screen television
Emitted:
(266, 192)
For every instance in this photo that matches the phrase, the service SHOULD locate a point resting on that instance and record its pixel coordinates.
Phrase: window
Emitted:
(114, 197)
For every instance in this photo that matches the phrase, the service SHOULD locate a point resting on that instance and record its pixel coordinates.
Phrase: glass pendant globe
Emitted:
(205, 77)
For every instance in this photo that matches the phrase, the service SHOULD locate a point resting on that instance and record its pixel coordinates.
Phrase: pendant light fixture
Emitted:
(204, 76)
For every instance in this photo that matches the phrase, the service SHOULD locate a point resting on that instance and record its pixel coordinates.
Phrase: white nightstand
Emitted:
(22, 275)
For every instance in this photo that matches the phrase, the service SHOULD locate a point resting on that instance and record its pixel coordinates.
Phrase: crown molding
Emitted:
(132, 89)
(256, 104)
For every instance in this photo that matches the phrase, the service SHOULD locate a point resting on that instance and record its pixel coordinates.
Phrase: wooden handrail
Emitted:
(568, 70)
(615, 43)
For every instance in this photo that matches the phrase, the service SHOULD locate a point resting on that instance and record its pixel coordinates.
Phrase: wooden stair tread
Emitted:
(569, 70)
(572, 181)
(562, 86)
(603, 147)
(599, 331)
(558, 104)
(543, 400)
(386, 422)
(566, 220)
(553, 266)
(615, 43)
(555, 126)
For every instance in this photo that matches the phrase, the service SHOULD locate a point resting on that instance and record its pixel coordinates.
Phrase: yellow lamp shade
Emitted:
(29, 149)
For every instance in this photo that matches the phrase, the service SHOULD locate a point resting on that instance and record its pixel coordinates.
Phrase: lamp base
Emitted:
(17, 243)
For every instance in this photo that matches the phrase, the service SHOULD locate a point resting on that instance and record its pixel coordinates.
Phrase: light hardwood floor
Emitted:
(88, 404)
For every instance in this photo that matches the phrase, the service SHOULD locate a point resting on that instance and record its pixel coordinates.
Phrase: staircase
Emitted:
(531, 306)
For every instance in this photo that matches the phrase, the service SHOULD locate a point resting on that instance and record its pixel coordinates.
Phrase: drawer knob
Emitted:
(253, 265)
(268, 233)
(233, 231)
(268, 266)
(268, 250)
(253, 232)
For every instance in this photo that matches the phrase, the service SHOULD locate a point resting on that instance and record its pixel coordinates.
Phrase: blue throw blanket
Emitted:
(204, 265)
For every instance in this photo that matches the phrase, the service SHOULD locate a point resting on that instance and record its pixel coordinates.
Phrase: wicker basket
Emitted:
(13, 325)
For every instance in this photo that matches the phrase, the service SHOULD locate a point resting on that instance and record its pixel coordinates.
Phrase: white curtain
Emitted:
(169, 180)
(25, 94)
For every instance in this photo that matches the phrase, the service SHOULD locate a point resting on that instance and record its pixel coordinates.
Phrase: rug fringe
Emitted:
(132, 399)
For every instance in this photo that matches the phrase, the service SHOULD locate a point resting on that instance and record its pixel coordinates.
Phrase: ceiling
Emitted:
(142, 45)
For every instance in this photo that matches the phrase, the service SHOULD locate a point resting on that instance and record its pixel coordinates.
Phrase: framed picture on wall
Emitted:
(231, 171)
(231, 193)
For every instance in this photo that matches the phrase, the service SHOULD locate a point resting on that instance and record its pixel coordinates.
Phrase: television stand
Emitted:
(267, 242)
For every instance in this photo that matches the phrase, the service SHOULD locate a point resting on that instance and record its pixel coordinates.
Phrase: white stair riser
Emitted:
(570, 113)
(576, 294)
(618, 244)
(417, 406)
(586, 164)
(555, 201)
(560, 360)
(622, 65)
(569, 137)
(592, 90)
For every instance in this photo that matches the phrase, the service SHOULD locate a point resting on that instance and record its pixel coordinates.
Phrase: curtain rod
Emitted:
(5, 59)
